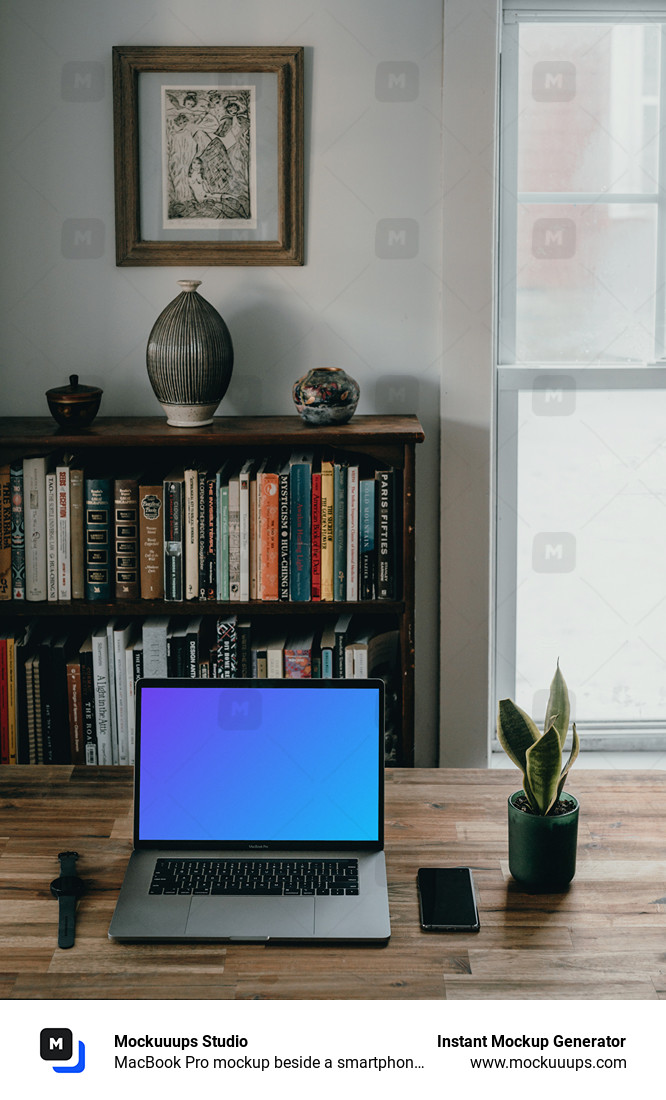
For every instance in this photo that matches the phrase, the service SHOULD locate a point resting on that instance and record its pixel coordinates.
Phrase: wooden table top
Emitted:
(605, 938)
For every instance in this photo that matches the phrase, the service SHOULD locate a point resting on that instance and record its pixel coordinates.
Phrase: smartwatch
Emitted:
(67, 889)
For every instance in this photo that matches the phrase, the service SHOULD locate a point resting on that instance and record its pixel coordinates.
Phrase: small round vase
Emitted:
(326, 395)
(189, 358)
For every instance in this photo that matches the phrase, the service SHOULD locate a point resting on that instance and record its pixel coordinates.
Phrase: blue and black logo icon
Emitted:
(56, 1044)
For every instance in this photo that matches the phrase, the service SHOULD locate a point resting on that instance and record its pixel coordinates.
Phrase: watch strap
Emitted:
(66, 920)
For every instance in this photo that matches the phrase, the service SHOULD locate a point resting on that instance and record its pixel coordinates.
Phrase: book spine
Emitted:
(202, 537)
(75, 712)
(126, 517)
(98, 557)
(234, 539)
(386, 540)
(130, 680)
(244, 533)
(102, 707)
(297, 664)
(113, 698)
(191, 482)
(88, 708)
(326, 663)
(316, 535)
(34, 514)
(254, 539)
(352, 533)
(35, 728)
(269, 506)
(173, 541)
(327, 530)
(64, 535)
(12, 701)
(122, 705)
(151, 541)
(243, 647)
(283, 536)
(211, 542)
(76, 522)
(223, 548)
(226, 655)
(340, 533)
(51, 537)
(5, 534)
(366, 539)
(18, 531)
(155, 648)
(300, 532)
(4, 704)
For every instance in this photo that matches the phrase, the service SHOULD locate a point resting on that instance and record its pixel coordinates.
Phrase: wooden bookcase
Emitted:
(389, 440)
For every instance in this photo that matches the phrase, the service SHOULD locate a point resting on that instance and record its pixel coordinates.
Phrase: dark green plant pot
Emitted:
(542, 850)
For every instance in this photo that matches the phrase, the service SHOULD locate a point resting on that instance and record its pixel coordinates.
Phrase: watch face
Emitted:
(67, 886)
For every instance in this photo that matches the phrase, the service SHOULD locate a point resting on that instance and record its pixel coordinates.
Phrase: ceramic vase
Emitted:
(542, 850)
(189, 358)
(326, 395)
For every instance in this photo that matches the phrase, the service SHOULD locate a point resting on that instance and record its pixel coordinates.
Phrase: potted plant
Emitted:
(543, 817)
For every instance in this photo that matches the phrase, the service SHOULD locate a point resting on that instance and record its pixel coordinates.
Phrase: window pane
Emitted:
(583, 90)
(591, 579)
(585, 283)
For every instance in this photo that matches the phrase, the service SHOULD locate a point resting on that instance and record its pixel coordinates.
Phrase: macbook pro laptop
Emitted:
(258, 813)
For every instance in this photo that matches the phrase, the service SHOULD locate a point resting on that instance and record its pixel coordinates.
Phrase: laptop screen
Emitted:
(259, 763)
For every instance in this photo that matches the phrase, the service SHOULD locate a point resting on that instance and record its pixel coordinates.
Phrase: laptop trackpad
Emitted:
(251, 917)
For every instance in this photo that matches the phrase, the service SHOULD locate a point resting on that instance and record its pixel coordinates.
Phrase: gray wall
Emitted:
(373, 152)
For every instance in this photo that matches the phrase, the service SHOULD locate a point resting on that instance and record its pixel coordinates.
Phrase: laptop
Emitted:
(258, 813)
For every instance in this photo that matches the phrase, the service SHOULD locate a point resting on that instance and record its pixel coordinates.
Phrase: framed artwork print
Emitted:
(208, 145)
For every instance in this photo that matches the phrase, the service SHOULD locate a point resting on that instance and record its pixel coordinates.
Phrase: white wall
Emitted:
(373, 142)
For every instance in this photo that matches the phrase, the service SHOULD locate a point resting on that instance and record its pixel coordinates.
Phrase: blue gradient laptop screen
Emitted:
(222, 763)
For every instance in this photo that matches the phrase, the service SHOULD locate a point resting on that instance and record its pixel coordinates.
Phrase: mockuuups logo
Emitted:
(56, 1045)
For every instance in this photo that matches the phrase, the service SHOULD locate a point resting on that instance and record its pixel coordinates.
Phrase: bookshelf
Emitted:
(384, 440)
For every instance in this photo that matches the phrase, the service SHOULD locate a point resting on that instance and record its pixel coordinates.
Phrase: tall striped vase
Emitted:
(189, 358)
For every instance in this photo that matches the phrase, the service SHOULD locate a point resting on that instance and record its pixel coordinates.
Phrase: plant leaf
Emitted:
(575, 746)
(544, 761)
(558, 709)
(516, 732)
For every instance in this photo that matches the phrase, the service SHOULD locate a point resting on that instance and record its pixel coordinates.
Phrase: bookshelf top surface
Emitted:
(125, 431)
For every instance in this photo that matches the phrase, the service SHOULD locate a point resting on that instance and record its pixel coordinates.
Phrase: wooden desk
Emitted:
(604, 938)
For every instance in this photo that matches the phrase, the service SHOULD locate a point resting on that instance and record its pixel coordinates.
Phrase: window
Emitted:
(581, 477)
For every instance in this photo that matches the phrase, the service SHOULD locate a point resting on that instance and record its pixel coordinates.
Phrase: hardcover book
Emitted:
(18, 530)
(88, 701)
(5, 533)
(34, 513)
(51, 536)
(352, 531)
(340, 531)
(366, 539)
(268, 492)
(126, 519)
(77, 528)
(151, 539)
(100, 665)
(174, 514)
(300, 526)
(64, 537)
(192, 513)
(99, 538)
(327, 529)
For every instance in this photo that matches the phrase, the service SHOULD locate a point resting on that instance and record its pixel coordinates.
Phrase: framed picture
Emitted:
(208, 155)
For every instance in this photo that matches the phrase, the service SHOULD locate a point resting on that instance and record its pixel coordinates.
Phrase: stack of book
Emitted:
(67, 695)
(312, 526)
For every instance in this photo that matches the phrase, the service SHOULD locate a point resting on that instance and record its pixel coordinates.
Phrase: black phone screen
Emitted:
(447, 901)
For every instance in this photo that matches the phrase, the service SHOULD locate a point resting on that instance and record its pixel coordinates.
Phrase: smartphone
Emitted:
(447, 899)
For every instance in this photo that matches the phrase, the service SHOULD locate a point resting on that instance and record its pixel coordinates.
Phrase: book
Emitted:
(151, 538)
(341, 631)
(113, 711)
(23, 650)
(18, 530)
(34, 711)
(366, 539)
(223, 531)
(243, 649)
(300, 525)
(327, 649)
(298, 656)
(53, 653)
(234, 534)
(340, 531)
(63, 530)
(51, 536)
(275, 644)
(193, 634)
(315, 576)
(244, 478)
(327, 528)
(88, 700)
(210, 519)
(386, 539)
(154, 634)
(4, 702)
(12, 701)
(77, 526)
(193, 511)
(254, 533)
(77, 747)
(268, 534)
(122, 633)
(98, 495)
(34, 515)
(5, 533)
(225, 643)
(370, 647)
(284, 489)
(100, 666)
(174, 505)
(176, 647)
(352, 531)
(127, 583)
(134, 672)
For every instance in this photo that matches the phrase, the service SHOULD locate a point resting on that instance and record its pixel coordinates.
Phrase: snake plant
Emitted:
(539, 755)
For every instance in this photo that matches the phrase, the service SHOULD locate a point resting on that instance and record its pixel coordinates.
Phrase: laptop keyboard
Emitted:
(282, 877)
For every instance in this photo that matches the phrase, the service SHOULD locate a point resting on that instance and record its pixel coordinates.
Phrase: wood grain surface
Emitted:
(604, 938)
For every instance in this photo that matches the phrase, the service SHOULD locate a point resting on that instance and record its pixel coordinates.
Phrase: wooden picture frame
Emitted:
(188, 193)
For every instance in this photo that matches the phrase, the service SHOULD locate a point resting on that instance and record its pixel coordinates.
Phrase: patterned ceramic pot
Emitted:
(326, 395)
(189, 358)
